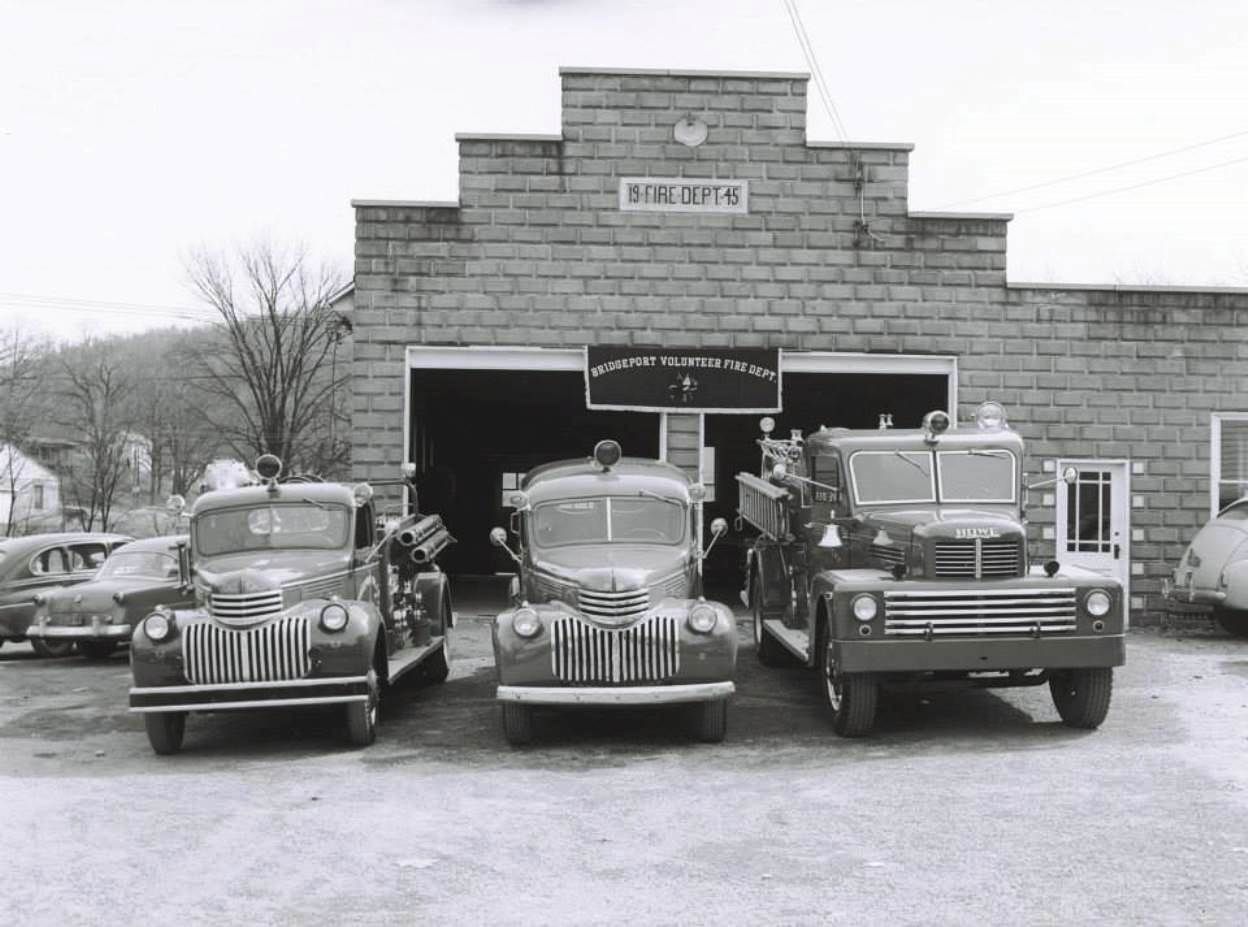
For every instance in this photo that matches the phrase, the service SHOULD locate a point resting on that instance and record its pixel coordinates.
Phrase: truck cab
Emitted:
(900, 556)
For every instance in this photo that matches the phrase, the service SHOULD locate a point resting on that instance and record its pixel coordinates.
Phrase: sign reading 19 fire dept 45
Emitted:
(683, 380)
(684, 194)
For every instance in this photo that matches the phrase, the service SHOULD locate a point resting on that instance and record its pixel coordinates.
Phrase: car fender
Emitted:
(1236, 575)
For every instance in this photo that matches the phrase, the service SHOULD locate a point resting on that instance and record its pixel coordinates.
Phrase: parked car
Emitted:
(1214, 569)
(40, 562)
(101, 613)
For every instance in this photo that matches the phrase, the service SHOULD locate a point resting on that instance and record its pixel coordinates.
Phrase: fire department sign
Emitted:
(684, 194)
(684, 380)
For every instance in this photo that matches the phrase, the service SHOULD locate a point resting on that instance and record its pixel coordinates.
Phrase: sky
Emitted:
(132, 133)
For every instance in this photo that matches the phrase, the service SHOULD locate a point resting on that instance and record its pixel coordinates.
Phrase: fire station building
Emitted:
(681, 257)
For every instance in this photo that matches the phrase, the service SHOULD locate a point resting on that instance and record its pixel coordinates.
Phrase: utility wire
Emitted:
(1095, 171)
(67, 304)
(1134, 186)
(812, 61)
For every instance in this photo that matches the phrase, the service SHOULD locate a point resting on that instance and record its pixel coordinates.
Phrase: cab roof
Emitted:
(323, 493)
(909, 439)
(35, 541)
(569, 478)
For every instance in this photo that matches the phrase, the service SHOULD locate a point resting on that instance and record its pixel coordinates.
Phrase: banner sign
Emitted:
(684, 194)
(683, 380)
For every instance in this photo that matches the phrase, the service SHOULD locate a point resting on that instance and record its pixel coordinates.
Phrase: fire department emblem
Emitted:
(683, 389)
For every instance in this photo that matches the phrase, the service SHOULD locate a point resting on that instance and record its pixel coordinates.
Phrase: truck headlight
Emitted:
(1097, 603)
(865, 607)
(157, 627)
(526, 623)
(334, 617)
(702, 618)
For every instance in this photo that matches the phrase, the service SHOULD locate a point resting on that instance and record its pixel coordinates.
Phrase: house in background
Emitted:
(29, 492)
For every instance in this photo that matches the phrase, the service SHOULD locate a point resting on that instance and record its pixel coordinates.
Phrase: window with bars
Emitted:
(1229, 459)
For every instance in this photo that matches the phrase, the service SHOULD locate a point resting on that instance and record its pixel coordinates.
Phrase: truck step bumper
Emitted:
(902, 656)
(230, 696)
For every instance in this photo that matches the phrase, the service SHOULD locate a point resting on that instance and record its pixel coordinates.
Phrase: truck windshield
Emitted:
(623, 520)
(283, 526)
(149, 564)
(977, 475)
(892, 476)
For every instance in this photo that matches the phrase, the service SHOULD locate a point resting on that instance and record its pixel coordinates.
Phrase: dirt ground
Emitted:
(965, 808)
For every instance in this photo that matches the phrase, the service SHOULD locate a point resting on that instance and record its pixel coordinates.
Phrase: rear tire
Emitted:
(438, 666)
(517, 723)
(851, 697)
(770, 651)
(1234, 623)
(96, 650)
(362, 716)
(165, 731)
(51, 649)
(711, 721)
(1082, 695)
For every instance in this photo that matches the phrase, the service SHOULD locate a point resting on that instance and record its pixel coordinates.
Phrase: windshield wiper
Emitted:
(652, 494)
(911, 461)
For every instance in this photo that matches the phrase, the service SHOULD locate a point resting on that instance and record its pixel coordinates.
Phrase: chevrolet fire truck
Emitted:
(899, 557)
(302, 596)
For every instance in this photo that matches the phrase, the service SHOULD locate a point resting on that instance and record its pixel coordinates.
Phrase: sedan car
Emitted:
(38, 563)
(101, 613)
(1214, 569)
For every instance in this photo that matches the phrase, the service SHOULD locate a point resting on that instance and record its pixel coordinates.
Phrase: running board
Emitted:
(409, 658)
(793, 640)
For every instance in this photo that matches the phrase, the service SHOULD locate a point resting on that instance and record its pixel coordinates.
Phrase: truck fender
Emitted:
(823, 588)
(771, 571)
(435, 594)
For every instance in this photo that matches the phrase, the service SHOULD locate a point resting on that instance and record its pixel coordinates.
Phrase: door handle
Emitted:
(1117, 551)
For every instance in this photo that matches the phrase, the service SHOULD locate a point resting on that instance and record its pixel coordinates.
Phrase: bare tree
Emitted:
(94, 408)
(272, 383)
(180, 441)
(20, 405)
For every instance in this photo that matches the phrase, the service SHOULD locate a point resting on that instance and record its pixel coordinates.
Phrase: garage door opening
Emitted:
(474, 433)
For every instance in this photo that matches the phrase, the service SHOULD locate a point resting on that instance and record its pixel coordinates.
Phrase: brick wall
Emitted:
(830, 258)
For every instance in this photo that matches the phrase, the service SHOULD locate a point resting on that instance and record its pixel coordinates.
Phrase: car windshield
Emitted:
(146, 563)
(976, 475)
(619, 519)
(281, 526)
(892, 476)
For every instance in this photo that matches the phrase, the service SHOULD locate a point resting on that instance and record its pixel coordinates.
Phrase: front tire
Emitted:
(517, 723)
(165, 731)
(362, 716)
(770, 652)
(96, 650)
(851, 697)
(1234, 623)
(711, 721)
(1082, 695)
(51, 649)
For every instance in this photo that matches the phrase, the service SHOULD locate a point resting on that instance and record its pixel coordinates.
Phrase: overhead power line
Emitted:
(98, 306)
(1098, 170)
(1134, 186)
(812, 62)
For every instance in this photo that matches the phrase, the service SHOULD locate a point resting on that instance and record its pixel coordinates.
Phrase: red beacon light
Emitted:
(607, 454)
(935, 424)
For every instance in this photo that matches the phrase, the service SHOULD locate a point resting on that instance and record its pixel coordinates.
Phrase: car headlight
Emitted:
(702, 618)
(526, 623)
(1097, 603)
(334, 617)
(157, 627)
(865, 607)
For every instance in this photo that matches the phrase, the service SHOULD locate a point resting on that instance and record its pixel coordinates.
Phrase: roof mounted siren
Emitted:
(935, 424)
(269, 468)
(886, 421)
(607, 454)
(990, 416)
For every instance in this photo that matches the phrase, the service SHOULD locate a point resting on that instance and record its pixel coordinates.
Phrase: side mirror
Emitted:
(498, 537)
(1069, 476)
(719, 527)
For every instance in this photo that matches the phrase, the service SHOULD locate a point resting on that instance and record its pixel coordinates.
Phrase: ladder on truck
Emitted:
(764, 506)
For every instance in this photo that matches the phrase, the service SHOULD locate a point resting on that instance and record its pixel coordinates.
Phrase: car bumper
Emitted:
(1190, 594)
(90, 632)
(230, 696)
(616, 695)
(903, 656)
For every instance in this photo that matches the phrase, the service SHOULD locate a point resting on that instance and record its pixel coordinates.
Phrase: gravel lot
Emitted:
(969, 807)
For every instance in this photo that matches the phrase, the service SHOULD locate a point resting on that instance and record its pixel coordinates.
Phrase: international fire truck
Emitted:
(303, 595)
(899, 557)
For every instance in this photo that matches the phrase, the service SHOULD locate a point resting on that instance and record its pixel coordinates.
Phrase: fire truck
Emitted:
(302, 595)
(895, 557)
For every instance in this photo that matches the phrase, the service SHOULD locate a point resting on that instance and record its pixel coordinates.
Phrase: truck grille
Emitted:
(890, 555)
(978, 558)
(646, 652)
(977, 611)
(614, 607)
(277, 651)
(245, 608)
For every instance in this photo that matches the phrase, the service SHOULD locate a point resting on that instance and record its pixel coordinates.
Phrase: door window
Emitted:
(86, 557)
(49, 562)
(1089, 526)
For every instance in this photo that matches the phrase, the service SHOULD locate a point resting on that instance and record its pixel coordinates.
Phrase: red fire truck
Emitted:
(899, 557)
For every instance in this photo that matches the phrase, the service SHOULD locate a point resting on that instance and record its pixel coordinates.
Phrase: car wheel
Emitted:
(1234, 623)
(438, 666)
(165, 730)
(1082, 695)
(96, 650)
(851, 697)
(517, 723)
(362, 716)
(711, 720)
(45, 648)
(770, 652)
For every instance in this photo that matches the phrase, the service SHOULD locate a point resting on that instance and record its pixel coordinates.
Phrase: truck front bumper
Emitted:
(616, 695)
(230, 696)
(963, 654)
(96, 631)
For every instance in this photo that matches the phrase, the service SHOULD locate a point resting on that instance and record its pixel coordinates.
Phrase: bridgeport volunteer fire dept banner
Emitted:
(683, 380)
